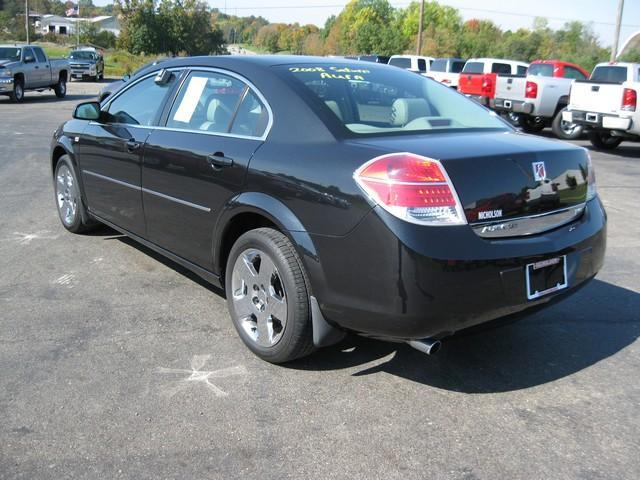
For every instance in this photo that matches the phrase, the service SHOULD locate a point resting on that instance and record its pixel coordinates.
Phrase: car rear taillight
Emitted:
(487, 86)
(531, 90)
(413, 188)
(629, 100)
(591, 179)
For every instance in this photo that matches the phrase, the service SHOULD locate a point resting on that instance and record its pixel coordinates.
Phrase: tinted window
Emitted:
(422, 65)
(375, 100)
(501, 68)
(570, 72)
(140, 104)
(29, 53)
(541, 70)
(456, 66)
(609, 74)
(207, 102)
(473, 67)
(439, 65)
(9, 53)
(252, 117)
(522, 70)
(40, 55)
(401, 62)
(82, 55)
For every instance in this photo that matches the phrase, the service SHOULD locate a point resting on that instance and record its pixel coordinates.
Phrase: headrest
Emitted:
(404, 110)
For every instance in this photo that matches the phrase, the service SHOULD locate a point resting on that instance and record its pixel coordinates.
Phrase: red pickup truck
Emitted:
(479, 77)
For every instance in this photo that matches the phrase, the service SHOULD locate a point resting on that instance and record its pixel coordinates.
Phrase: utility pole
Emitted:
(616, 38)
(26, 19)
(420, 26)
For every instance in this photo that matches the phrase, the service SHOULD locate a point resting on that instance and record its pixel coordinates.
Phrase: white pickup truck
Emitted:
(538, 100)
(447, 71)
(607, 104)
(413, 63)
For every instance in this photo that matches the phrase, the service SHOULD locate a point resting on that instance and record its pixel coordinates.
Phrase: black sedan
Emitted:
(330, 196)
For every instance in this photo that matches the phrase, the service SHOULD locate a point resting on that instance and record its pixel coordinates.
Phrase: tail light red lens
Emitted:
(531, 90)
(487, 87)
(411, 187)
(629, 100)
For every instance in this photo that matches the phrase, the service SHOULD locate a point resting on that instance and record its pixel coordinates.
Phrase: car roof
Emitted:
(501, 60)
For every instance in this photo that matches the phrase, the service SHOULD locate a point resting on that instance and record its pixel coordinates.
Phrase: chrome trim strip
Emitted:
(146, 190)
(109, 179)
(177, 200)
(530, 225)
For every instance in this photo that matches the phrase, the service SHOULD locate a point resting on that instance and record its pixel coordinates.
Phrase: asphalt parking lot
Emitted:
(116, 363)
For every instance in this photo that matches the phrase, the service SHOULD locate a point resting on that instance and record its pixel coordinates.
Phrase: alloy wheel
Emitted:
(66, 195)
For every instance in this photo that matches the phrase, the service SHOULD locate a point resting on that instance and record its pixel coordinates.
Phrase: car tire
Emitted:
(18, 92)
(69, 204)
(268, 296)
(60, 88)
(531, 124)
(604, 140)
(565, 130)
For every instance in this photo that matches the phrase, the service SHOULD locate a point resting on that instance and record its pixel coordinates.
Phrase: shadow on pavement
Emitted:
(48, 99)
(582, 330)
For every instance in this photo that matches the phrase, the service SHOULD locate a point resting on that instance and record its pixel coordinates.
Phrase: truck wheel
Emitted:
(18, 91)
(565, 130)
(531, 124)
(268, 297)
(604, 140)
(61, 88)
(68, 200)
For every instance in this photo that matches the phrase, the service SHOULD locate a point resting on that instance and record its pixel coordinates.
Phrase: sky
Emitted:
(518, 13)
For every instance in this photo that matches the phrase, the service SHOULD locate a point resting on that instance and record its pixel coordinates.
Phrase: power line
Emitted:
(470, 9)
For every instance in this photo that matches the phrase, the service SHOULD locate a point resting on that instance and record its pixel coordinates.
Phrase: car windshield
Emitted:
(81, 56)
(609, 74)
(378, 99)
(9, 53)
(541, 70)
(473, 67)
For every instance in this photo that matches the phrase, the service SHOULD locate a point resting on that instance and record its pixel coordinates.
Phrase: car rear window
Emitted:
(473, 67)
(400, 62)
(456, 67)
(609, 74)
(541, 70)
(378, 100)
(503, 68)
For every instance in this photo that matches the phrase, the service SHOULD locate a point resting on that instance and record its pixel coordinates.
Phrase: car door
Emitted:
(43, 68)
(111, 151)
(194, 165)
(31, 71)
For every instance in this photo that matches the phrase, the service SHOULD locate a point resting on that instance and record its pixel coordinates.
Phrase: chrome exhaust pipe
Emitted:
(430, 346)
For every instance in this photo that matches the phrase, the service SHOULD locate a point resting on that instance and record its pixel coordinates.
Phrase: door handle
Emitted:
(218, 160)
(132, 145)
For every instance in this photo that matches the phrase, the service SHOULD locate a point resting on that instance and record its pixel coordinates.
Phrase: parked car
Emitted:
(27, 67)
(607, 104)
(328, 196)
(413, 63)
(539, 99)
(447, 71)
(86, 63)
(479, 75)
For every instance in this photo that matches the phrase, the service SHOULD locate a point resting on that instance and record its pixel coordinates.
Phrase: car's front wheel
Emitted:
(268, 296)
(604, 140)
(61, 87)
(68, 201)
(17, 95)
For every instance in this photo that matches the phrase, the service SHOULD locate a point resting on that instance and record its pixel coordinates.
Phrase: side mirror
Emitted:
(29, 59)
(126, 77)
(87, 111)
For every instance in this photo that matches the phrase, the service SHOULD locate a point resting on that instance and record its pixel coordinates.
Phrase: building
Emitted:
(67, 25)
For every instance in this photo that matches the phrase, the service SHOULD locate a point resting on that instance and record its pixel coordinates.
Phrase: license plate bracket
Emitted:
(546, 276)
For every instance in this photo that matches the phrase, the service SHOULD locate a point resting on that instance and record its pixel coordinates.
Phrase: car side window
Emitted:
(207, 101)
(522, 70)
(422, 65)
(140, 104)
(252, 117)
(501, 68)
(40, 55)
(28, 52)
(570, 72)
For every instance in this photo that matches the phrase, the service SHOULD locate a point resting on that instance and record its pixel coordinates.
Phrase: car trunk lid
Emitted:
(511, 87)
(595, 97)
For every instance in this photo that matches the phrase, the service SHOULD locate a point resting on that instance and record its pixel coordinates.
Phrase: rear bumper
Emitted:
(6, 85)
(516, 106)
(393, 279)
(597, 120)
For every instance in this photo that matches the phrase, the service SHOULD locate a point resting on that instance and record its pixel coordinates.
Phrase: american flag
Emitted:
(72, 11)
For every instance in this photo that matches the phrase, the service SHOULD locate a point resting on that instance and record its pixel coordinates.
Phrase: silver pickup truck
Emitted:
(26, 67)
